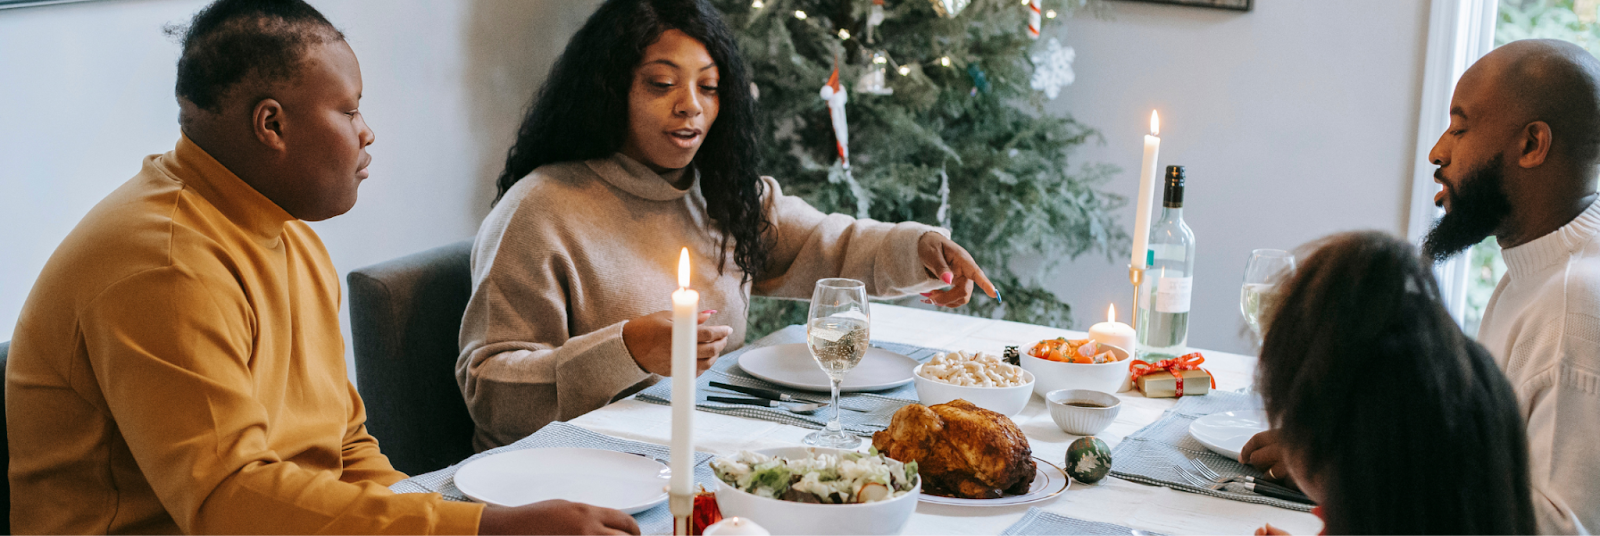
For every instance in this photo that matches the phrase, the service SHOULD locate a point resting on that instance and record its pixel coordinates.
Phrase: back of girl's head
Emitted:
(1407, 426)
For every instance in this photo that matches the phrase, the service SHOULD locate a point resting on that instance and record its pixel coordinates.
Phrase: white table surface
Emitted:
(1113, 500)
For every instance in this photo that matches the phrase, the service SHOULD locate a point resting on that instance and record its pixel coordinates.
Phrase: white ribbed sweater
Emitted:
(1543, 327)
(576, 249)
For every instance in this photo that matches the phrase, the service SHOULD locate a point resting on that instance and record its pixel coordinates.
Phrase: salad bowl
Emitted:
(789, 517)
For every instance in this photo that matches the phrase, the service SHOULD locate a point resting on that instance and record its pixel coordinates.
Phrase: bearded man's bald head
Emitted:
(1558, 83)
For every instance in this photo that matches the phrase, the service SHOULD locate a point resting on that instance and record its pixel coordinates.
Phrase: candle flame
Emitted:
(1111, 313)
(683, 269)
(1155, 124)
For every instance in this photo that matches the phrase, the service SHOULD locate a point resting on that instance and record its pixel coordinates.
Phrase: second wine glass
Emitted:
(1265, 269)
(838, 329)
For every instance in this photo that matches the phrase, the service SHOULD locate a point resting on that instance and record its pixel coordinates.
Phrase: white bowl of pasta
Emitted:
(1003, 389)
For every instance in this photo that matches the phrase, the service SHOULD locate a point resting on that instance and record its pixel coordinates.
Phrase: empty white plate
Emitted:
(1226, 433)
(792, 366)
(619, 480)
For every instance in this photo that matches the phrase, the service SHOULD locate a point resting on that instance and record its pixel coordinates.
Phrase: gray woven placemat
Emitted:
(1152, 454)
(879, 406)
(1039, 522)
(656, 520)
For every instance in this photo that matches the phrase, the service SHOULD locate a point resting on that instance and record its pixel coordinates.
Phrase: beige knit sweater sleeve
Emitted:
(520, 366)
(809, 245)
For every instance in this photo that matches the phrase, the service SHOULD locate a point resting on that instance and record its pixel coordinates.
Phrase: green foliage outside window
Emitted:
(1575, 21)
(1013, 189)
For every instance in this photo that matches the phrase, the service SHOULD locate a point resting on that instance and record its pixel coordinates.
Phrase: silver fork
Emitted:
(1190, 476)
(1206, 471)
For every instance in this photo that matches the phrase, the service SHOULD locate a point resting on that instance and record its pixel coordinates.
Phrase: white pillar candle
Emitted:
(1147, 192)
(685, 302)
(1113, 332)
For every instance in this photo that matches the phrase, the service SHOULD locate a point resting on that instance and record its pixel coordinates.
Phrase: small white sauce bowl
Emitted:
(1079, 420)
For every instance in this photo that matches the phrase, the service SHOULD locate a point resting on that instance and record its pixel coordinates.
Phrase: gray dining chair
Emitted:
(405, 317)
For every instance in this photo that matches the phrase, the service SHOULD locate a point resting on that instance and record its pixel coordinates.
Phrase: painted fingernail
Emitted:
(709, 312)
(947, 277)
(998, 297)
(929, 302)
(926, 294)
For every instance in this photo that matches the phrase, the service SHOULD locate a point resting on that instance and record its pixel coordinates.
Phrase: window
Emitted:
(1459, 32)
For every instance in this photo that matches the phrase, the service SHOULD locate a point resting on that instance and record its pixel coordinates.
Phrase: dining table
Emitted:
(1111, 500)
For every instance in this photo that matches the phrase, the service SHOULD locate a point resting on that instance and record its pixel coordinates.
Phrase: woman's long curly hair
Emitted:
(581, 113)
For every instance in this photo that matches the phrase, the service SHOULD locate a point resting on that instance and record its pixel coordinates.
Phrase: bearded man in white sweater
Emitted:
(1519, 163)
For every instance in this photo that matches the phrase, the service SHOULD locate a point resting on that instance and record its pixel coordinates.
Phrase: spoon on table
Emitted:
(801, 409)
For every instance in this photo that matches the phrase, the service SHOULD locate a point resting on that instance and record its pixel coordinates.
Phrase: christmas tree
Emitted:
(946, 126)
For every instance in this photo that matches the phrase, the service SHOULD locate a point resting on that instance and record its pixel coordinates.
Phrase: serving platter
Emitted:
(792, 366)
(1048, 482)
(626, 482)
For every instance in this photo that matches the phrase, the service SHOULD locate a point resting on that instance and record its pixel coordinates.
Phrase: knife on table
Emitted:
(775, 395)
(1269, 491)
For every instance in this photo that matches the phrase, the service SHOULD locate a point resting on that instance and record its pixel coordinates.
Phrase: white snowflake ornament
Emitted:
(1053, 68)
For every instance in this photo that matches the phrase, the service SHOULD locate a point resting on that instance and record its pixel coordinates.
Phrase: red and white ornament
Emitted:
(834, 94)
(1034, 19)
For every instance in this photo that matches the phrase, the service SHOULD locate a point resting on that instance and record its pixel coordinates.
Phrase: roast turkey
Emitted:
(961, 450)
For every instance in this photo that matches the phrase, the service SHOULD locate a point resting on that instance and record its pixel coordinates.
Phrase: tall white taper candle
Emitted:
(1147, 192)
(684, 305)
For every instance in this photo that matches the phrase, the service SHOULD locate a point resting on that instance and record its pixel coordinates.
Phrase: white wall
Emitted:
(86, 93)
(1294, 120)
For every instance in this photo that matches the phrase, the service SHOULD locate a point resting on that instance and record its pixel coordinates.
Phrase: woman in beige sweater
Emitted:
(643, 142)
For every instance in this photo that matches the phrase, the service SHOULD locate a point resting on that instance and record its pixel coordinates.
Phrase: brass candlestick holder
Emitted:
(1135, 276)
(682, 506)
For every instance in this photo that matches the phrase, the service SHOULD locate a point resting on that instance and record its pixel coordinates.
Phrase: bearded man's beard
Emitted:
(1477, 208)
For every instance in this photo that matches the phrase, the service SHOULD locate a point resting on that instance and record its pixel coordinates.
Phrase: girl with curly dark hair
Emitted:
(1385, 413)
(641, 142)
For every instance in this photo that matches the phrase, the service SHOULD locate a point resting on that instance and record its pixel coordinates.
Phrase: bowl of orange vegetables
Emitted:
(1064, 363)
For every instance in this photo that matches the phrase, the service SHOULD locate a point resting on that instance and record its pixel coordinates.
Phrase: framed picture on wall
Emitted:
(8, 4)
(1235, 5)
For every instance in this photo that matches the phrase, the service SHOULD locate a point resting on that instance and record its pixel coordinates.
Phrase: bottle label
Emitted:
(1172, 294)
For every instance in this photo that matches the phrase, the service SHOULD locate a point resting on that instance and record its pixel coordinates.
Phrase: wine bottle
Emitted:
(1163, 329)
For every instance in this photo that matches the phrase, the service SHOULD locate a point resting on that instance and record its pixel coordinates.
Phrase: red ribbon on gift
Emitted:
(1176, 366)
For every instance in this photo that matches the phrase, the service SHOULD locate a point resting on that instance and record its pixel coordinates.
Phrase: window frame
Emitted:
(1459, 32)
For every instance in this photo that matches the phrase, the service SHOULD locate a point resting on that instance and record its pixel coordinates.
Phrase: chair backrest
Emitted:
(405, 318)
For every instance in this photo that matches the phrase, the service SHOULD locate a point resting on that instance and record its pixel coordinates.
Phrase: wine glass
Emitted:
(1262, 273)
(837, 334)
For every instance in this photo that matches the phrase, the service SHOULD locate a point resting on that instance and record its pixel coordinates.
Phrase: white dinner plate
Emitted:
(1048, 482)
(1226, 433)
(611, 479)
(792, 366)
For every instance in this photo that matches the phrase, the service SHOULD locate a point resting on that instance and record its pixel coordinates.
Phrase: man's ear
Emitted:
(266, 122)
(1535, 144)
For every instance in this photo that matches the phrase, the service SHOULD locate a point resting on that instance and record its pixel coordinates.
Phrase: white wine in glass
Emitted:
(1262, 273)
(838, 329)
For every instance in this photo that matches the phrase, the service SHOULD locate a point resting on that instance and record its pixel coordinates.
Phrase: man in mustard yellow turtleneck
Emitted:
(178, 366)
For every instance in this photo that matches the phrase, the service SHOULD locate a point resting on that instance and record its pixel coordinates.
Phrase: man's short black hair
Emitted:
(235, 41)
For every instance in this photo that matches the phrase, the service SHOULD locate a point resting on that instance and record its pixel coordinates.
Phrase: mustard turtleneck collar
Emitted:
(236, 199)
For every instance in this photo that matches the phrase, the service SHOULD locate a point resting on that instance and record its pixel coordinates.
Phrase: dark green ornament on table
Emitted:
(1088, 460)
(963, 140)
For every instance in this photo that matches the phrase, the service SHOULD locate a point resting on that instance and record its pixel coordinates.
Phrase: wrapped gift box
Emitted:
(1161, 384)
